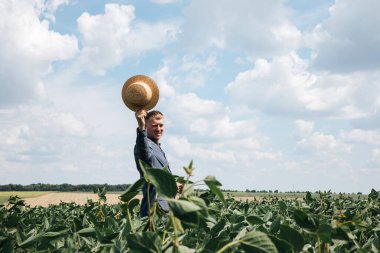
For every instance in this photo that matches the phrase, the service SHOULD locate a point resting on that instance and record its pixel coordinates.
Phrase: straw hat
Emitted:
(140, 92)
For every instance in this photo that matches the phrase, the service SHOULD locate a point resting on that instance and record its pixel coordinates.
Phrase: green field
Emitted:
(4, 196)
(286, 195)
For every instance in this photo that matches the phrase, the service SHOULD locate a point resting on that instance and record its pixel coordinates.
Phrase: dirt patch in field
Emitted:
(55, 198)
(68, 197)
(249, 198)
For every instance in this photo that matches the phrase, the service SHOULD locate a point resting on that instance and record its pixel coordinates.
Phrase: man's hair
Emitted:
(154, 114)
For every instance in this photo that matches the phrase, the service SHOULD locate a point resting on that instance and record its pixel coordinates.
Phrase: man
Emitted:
(149, 132)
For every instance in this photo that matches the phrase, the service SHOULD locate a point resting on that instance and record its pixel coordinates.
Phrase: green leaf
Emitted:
(292, 236)
(6, 244)
(163, 182)
(282, 205)
(53, 235)
(201, 203)
(132, 190)
(218, 227)
(132, 204)
(339, 234)
(87, 232)
(275, 226)
(373, 195)
(254, 220)
(144, 242)
(216, 243)
(281, 245)
(189, 169)
(257, 242)
(180, 249)
(177, 224)
(213, 184)
(305, 221)
(31, 240)
(182, 207)
(324, 232)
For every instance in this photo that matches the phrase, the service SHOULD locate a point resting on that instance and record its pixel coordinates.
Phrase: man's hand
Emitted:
(179, 187)
(140, 117)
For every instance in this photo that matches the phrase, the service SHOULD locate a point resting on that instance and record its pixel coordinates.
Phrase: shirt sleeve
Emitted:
(142, 150)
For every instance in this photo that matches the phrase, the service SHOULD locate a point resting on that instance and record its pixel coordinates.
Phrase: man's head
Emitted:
(154, 123)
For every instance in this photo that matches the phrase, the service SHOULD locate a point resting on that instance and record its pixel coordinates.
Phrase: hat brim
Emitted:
(153, 86)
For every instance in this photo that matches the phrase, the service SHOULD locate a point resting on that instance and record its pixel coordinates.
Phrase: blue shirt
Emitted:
(151, 153)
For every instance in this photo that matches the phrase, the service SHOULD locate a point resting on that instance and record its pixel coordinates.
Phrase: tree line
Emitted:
(63, 187)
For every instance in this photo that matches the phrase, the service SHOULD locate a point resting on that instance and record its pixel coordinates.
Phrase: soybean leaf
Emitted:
(218, 227)
(144, 242)
(132, 190)
(87, 232)
(132, 204)
(254, 220)
(257, 242)
(216, 243)
(179, 249)
(213, 184)
(305, 221)
(31, 240)
(177, 225)
(53, 235)
(201, 203)
(182, 207)
(339, 234)
(324, 232)
(6, 244)
(275, 226)
(282, 205)
(292, 236)
(163, 182)
(281, 245)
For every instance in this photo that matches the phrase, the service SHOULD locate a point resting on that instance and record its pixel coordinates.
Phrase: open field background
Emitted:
(4, 196)
(41, 198)
(45, 198)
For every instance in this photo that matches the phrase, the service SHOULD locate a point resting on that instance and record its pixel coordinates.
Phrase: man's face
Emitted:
(155, 127)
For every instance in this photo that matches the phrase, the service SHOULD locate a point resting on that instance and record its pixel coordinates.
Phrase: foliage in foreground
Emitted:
(202, 223)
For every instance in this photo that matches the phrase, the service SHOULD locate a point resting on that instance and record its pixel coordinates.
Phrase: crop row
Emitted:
(202, 223)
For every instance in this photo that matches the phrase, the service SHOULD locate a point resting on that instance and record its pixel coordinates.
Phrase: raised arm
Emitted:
(142, 150)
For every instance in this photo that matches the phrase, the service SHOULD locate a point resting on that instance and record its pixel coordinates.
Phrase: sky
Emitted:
(263, 95)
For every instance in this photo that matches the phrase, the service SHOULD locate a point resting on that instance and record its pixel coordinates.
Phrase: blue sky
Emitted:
(274, 95)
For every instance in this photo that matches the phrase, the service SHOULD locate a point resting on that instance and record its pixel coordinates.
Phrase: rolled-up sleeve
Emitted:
(142, 150)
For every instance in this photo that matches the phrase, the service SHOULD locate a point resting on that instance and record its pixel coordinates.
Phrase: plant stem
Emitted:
(175, 242)
(319, 244)
(227, 246)
(130, 220)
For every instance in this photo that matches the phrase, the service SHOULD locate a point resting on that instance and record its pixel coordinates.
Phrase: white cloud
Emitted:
(319, 143)
(110, 37)
(304, 128)
(196, 70)
(164, 1)
(182, 147)
(27, 49)
(49, 7)
(286, 86)
(267, 30)
(40, 136)
(376, 156)
(360, 135)
(323, 144)
(349, 40)
(57, 146)
(203, 130)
